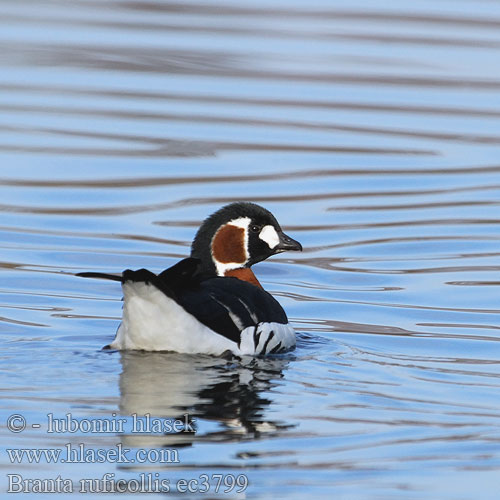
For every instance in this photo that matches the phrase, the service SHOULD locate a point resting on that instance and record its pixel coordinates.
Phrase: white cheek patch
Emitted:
(270, 236)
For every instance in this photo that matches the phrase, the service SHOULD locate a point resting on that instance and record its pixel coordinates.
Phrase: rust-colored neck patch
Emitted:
(228, 245)
(244, 274)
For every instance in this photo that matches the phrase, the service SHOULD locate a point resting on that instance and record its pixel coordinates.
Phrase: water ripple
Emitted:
(371, 133)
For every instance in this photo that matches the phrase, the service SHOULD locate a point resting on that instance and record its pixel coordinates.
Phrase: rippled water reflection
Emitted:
(371, 131)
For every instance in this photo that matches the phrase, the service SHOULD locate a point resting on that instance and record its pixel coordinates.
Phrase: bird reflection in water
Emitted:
(230, 392)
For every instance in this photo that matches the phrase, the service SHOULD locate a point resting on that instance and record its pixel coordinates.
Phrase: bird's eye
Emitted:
(255, 228)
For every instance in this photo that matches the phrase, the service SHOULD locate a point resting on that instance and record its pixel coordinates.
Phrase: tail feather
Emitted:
(105, 276)
(170, 281)
(127, 275)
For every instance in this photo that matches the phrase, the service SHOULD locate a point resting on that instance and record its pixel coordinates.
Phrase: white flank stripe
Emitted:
(268, 336)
